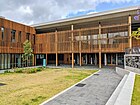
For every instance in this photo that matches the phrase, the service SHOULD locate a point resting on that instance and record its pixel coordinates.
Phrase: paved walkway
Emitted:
(84, 67)
(97, 90)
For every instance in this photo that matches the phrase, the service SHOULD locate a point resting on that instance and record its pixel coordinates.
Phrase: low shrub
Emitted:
(28, 70)
(39, 69)
(18, 70)
(32, 70)
(7, 71)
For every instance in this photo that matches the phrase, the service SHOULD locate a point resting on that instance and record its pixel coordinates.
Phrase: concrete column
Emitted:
(56, 47)
(86, 59)
(116, 59)
(99, 42)
(80, 59)
(129, 32)
(91, 60)
(95, 60)
(72, 47)
(105, 60)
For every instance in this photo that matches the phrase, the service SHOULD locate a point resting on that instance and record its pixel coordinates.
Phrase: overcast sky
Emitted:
(38, 11)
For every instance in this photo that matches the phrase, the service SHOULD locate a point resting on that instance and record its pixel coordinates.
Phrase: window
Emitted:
(2, 35)
(37, 56)
(28, 36)
(13, 35)
(41, 56)
(19, 36)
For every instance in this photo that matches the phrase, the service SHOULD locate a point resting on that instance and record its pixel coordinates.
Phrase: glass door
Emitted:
(111, 59)
(108, 59)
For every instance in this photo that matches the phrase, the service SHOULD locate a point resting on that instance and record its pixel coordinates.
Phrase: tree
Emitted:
(136, 34)
(27, 51)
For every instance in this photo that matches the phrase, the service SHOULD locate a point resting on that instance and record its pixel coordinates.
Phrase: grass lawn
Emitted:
(136, 92)
(33, 89)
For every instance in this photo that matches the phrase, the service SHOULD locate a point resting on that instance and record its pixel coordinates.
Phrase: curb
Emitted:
(115, 94)
(125, 96)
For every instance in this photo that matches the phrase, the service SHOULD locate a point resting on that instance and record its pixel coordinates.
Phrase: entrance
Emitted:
(39, 59)
(111, 59)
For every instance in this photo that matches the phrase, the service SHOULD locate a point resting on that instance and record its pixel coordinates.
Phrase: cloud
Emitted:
(36, 11)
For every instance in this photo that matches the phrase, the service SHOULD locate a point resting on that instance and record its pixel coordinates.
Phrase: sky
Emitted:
(38, 11)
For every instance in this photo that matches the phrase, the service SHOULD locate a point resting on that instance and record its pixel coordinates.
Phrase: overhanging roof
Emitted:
(87, 18)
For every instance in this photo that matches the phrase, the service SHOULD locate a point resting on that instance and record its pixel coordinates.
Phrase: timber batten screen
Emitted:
(112, 39)
(98, 39)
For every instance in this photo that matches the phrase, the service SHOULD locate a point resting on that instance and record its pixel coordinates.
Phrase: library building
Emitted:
(98, 39)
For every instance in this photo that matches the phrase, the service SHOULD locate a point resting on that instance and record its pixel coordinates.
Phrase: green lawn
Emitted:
(136, 92)
(33, 89)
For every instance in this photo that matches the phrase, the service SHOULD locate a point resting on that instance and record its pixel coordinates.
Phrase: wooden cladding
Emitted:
(13, 36)
(112, 39)
(109, 36)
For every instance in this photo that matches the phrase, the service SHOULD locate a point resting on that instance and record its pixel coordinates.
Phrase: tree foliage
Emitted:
(136, 34)
(27, 50)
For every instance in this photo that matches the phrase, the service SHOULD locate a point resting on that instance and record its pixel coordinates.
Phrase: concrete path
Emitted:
(97, 90)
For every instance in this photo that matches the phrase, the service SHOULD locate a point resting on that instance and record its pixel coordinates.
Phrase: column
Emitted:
(80, 48)
(129, 32)
(2, 61)
(86, 60)
(6, 64)
(80, 59)
(91, 60)
(33, 64)
(72, 47)
(56, 48)
(15, 60)
(8, 61)
(20, 60)
(34, 60)
(46, 59)
(99, 42)
(78, 62)
(116, 59)
(105, 59)
(95, 60)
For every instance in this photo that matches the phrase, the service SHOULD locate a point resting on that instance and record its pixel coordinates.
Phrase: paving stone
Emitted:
(97, 90)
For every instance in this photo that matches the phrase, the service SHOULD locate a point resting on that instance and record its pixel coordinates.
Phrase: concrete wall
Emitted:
(121, 71)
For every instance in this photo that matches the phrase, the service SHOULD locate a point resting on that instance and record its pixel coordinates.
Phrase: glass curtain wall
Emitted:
(8, 61)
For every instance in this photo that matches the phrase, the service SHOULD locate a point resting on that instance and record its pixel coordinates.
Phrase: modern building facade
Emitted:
(95, 39)
(12, 37)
